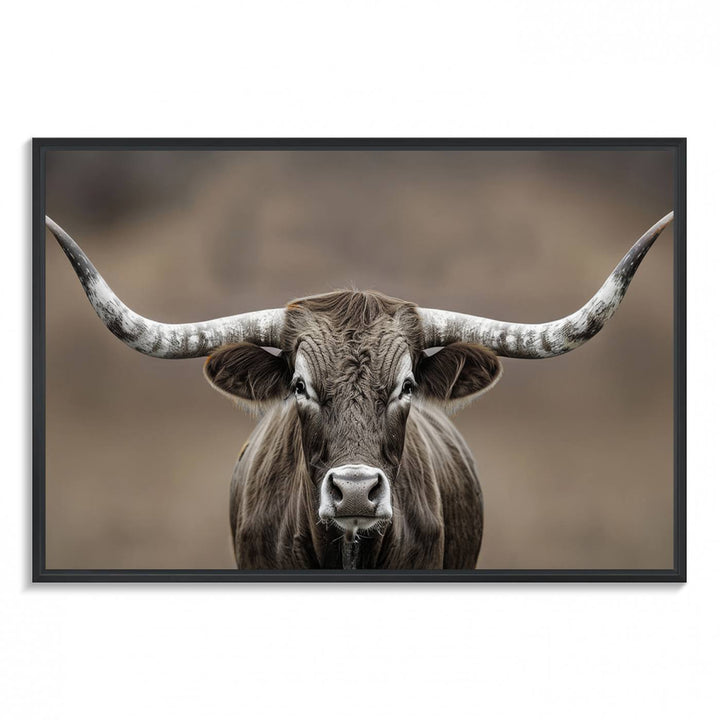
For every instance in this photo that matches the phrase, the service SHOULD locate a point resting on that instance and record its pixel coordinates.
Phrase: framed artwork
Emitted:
(359, 360)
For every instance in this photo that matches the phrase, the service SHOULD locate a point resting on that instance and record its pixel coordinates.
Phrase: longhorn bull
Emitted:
(354, 462)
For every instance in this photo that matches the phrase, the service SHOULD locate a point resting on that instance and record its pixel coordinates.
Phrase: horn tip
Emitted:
(52, 225)
(664, 222)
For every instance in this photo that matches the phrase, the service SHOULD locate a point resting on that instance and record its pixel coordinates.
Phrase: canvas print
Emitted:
(457, 361)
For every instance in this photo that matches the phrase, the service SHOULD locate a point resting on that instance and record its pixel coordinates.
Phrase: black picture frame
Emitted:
(40, 573)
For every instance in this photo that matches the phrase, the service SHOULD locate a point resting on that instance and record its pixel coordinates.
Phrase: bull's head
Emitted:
(351, 365)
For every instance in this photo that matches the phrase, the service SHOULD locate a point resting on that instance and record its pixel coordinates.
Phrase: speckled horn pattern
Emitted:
(162, 340)
(543, 340)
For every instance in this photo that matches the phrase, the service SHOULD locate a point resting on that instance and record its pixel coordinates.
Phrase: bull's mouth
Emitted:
(354, 523)
(355, 497)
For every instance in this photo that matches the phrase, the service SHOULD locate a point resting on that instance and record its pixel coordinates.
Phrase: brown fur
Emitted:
(354, 342)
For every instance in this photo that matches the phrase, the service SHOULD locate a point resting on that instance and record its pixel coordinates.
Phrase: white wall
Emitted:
(341, 69)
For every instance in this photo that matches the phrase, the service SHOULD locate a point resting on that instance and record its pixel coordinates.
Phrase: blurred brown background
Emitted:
(575, 453)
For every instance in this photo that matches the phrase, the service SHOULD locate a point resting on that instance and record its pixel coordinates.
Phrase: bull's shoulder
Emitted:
(267, 460)
(434, 436)
(276, 438)
(440, 460)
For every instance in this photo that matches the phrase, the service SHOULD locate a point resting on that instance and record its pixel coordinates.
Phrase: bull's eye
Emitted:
(408, 387)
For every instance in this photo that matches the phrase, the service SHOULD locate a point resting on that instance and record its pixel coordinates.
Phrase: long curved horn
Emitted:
(162, 340)
(544, 340)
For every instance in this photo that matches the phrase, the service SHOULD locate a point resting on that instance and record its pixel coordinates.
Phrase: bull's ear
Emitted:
(457, 374)
(248, 373)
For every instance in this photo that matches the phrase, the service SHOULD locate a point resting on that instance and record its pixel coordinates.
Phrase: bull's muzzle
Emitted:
(355, 497)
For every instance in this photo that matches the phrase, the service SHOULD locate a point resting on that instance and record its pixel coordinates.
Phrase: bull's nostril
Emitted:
(335, 492)
(375, 491)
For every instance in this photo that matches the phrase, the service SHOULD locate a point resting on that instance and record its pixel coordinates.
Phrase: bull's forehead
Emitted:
(334, 357)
